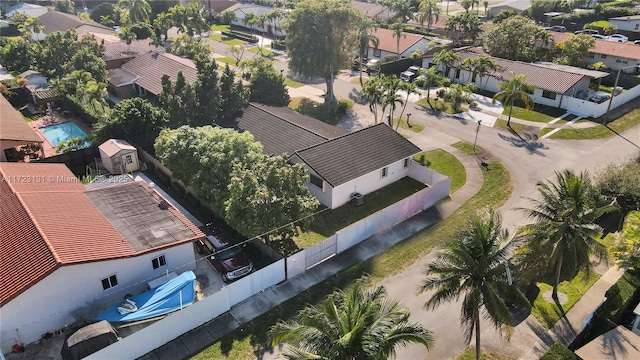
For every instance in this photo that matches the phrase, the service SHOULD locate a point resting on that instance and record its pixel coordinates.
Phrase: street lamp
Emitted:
(409, 125)
(615, 85)
(476, 139)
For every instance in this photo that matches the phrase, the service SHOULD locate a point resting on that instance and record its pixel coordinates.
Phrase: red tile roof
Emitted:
(13, 126)
(625, 50)
(387, 42)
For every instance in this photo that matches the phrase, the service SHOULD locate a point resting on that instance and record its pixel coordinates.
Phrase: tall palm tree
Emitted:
(565, 229)
(95, 92)
(474, 265)
(466, 4)
(458, 94)
(431, 77)
(138, 10)
(408, 88)
(196, 18)
(447, 58)
(512, 90)
(485, 66)
(390, 96)
(427, 11)
(398, 31)
(249, 19)
(372, 90)
(127, 36)
(366, 38)
(357, 324)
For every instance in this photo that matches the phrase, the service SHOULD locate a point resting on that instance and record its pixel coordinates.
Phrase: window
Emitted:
(159, 262)
(383, 172)
(473, 79)
(637, 27)
(128, 159)
(549, 94)
(315, 180)
(603, 56)
(377, 53)
(591, 55)
(625, 61)
(457, 73)
(109, 282)
(406, 163)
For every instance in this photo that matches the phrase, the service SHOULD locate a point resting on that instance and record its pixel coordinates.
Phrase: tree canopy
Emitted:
(267, 85)
(320, 38)
(512, 38)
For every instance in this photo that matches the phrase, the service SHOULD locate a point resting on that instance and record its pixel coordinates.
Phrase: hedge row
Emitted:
(242, 36)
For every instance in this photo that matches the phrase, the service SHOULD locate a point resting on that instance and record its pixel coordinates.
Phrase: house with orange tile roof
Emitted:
(613, 54)
(70, 250)
(14, 131)
(388, 44)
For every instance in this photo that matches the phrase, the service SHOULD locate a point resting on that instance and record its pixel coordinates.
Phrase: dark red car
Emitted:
(225, 255)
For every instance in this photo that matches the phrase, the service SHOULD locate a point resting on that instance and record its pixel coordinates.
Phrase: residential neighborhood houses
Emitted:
(295, 169)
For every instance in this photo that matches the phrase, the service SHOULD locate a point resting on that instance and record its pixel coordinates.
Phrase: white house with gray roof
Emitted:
(628, 23)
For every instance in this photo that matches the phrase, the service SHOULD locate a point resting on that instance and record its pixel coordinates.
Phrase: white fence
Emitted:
(375, 223)
(189, 318)
(588, 108)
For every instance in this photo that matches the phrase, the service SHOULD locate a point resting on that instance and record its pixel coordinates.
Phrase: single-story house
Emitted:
(552, 82)
(628, 23)
(14, 131)
(360, 162)
(216, 7)
(339, 163)
(142, 76)
(118, 156)
(54, 21)
(31, 10)
(519, 6)
(388, 44)
(117, 52)
(273, 27)
(613, 54)
(68, 251)
(619, 343)
(373, 11)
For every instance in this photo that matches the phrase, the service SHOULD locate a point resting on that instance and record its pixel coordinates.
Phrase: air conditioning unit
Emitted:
(357, 199)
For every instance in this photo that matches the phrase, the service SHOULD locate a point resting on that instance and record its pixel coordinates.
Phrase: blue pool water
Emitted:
(62, 132)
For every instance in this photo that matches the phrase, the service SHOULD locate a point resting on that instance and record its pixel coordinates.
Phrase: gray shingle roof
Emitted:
(58, 21)
(150, 67)
(282, 130)
(356, 154)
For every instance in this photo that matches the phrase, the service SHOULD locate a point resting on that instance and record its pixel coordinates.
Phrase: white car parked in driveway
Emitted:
(617, 37)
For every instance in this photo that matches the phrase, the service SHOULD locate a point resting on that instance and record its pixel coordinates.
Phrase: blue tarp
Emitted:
(160, 300)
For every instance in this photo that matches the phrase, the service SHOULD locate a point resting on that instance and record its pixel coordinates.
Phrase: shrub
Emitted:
(142, 30)
(558, 351)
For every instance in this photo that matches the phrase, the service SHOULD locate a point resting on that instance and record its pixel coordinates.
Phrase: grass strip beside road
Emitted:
(444, 163)
(539, 113)
(619, 125)
(292, 83)
(470, 354)
(467, 148)
(502, 124)
(440, 105)
(250, 340)
(403, 124)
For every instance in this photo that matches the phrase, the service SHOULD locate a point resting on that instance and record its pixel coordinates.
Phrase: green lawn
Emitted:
(548, 313)
(467, 148)
(502, 124)
(444, 163)
(403, 124)
(440, 105)
(292, 83)
(470, 354)
(226, 60)
(251, 340)
(539, 113)
(219, 27)
(619, 125)
(226, 40)
(265, 51)
(317, 110)
(328, 222)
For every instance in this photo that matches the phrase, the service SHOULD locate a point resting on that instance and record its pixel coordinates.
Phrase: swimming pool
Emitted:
(62, 132)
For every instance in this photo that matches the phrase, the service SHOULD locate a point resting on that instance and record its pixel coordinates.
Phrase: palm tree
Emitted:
(447, 58)
(458, 94)
(196, 18)
(485, 66)
(95, 92)
(466, 4)
(431, 77)
(512, 90)
(162, 23)
(127, 36)
(366, 38)
(249, 19)
(29, 27)
(372, 90)
(390, 96)
(409, 88)
(398, 31)
(138, 10)
(357, 324)
(427, 11)
(261, 20)
(475, 266)
(565, 227)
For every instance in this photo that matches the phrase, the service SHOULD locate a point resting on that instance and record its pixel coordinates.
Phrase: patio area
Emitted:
(52, 117)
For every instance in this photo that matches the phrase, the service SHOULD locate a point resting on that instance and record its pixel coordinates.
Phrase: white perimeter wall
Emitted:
(48, 305)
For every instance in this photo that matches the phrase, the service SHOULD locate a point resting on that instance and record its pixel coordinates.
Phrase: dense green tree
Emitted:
(320, 38)
(207, 94)
(135, 10)
(270, 186)
(16, 55)
(85, 60)
(564, 235)
(360, 323)
(474, 266)
(234, 95)
(503, 15)
(190, 47)
(227, 16)
(175, 99)
(59, 48)
(65, 6)
(136, 120)
(103, 10)
(622, 183)
(573, 50)
(267, 84)
(514, 90)
(512, 39)
(626, 243)
(403, 9)
(204, 157)
(142, 30)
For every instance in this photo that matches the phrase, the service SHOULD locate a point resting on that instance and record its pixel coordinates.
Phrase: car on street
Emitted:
(599, 97)
(556, 28)
(617, 37)
(598, 36)
(410, 74)
(637, 42)
(588, 32)
(226, 255)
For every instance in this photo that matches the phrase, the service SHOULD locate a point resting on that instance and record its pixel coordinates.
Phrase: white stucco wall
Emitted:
(628, 25)
(323, 195)
(48, 305)
(613, 62)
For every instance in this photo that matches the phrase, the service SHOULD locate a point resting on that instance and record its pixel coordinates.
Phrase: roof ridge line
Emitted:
(287, 121)
(340, 137)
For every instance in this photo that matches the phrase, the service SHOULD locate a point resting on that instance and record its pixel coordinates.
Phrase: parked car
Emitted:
(588, 32)
(599, 97)
(598, 36)
(617, 37)
(637, 42)
(227, 256)
(557, 28)
(373, 65)
(410, 74)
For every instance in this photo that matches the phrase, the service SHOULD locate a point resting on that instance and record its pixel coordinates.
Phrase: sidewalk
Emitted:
(210, 332)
